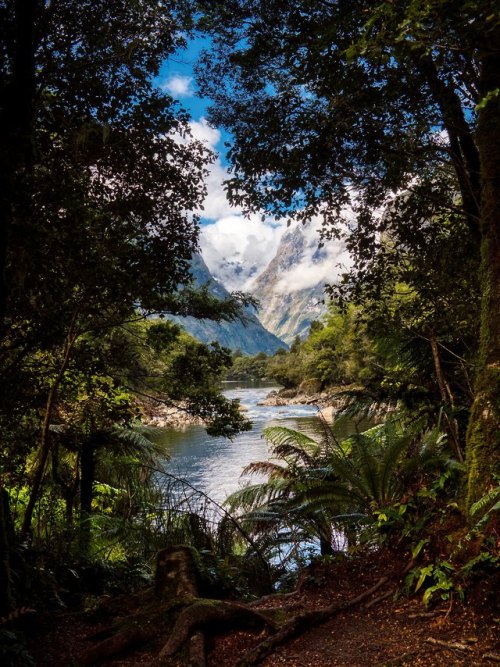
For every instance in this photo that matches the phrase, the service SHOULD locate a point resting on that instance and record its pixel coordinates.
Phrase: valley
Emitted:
(289, 292)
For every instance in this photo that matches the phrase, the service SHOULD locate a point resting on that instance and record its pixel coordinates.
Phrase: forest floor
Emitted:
(381, 631)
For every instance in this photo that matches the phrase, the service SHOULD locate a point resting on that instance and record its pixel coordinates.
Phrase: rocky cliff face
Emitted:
(291, 289)
(249, 336)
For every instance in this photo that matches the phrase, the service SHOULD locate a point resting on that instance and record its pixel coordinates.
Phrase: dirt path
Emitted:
(391, 632)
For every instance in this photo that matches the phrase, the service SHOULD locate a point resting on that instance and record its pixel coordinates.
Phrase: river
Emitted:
(214, 465)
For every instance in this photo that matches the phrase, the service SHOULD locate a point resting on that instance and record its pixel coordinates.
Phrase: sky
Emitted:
(236, 249)
(246, 245)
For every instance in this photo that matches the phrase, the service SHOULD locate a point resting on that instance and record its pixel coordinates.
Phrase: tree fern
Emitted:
(320, 485)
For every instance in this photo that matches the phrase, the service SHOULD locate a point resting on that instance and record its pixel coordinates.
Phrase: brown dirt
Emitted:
(393, 632)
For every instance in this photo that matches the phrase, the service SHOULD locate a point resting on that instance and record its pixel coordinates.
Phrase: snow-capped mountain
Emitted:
(249, 336)
(291, 288)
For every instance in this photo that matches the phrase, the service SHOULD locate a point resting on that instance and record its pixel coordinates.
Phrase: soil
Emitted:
(394, 631)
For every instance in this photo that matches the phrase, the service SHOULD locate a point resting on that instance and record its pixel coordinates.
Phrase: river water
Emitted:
(214, 465)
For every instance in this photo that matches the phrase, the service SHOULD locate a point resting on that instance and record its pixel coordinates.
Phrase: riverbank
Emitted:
(330, 402)
(155, 414)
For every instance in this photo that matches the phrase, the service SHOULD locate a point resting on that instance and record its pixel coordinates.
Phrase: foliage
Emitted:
(433, 578)
(250, 368)
(379, 119)
(371, 485)
(484, 509)
(100, 181)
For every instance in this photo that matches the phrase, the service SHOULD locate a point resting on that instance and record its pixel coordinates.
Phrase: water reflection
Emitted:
(214, 465)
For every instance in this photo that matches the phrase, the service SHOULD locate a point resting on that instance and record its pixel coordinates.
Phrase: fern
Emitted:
(317, 485)
(485, 507)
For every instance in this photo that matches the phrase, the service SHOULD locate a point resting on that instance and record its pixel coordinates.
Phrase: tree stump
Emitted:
(176, 574)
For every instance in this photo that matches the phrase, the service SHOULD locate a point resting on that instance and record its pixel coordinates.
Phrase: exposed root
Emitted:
(452, 646)
(378, 599)
(117, 643)
(302, 622)
(205, 612)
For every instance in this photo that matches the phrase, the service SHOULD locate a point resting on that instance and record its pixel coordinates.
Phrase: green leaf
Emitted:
(424, 573)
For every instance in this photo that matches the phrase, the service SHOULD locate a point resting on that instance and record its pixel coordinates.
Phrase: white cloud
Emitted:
(307, 274)
(202, 131)
(237, 249)
(315, 265)
(215, 205)
(179, 85)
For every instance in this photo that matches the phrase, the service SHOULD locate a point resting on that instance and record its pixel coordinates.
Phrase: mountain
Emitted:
(250, 337)
(291, 288)
(232, 271)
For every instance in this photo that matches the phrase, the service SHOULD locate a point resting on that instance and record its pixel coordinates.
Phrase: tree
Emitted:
(99, 182)
(336, 106)
(318, 486)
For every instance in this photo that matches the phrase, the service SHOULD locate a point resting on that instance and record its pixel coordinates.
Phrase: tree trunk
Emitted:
(325, 540)
(87, 471)
(483, 434)
(463, 151)
(446, 396)
(44, 448)
(6, 535)
(16, 128)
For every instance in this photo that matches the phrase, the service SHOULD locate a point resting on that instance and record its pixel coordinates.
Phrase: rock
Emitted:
(159, 415)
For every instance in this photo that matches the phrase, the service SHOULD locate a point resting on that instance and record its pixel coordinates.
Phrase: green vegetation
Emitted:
(396, 485)
(99, 176)
(382, 120)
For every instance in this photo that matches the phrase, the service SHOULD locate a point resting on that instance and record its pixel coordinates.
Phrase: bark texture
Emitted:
(483, 436)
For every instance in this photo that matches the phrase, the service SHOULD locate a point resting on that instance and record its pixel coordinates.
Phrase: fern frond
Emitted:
(300, 444)
(269, 468)
(480, 505)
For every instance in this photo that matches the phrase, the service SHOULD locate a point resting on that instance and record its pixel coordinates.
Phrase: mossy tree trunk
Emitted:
(483, 435)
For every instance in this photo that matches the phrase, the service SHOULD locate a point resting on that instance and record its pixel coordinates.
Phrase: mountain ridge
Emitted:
(285, 311)
(248, 336)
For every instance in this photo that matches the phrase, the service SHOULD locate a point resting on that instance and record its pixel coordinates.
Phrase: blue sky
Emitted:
(229, 240)
(235, 247)
(177, 78)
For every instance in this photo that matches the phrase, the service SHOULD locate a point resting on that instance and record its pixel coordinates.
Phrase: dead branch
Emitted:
(494, 657)
(454, 646)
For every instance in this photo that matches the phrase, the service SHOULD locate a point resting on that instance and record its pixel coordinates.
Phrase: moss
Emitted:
(483, 435)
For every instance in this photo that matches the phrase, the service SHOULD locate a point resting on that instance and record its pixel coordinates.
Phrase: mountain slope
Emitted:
(291, 288)
(250, 337)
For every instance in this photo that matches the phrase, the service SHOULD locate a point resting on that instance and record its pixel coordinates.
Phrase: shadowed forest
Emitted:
(378, 122)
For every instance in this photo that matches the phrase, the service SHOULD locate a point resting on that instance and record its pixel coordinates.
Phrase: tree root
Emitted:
(205, 612)
(300, 623)
(117, 643)
(299, 589)
(378, 599)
